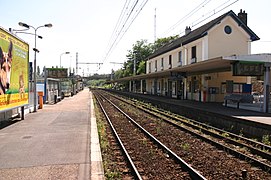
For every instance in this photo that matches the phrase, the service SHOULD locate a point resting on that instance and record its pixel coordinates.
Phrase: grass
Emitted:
(266, 139)
(104, 145)
(185, 146)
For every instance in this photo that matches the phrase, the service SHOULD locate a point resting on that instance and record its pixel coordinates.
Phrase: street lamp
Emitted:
(29, 33)
(35, 60)
(61, 55)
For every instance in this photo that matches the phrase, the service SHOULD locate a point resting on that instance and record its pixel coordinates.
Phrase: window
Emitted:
(236, 88)
(227, 29)
(180, 58)
(162, 62)
(170, 61)
(194, 54)
(155, 67)
(174, 88)
(194, 84)
(149, 67)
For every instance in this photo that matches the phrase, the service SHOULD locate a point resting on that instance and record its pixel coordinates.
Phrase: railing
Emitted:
(193, 60)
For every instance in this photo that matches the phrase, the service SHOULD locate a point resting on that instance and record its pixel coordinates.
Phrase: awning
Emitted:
(218, 64)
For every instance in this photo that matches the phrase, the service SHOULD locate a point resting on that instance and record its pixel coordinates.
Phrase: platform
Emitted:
(251, 122)
(59, 141)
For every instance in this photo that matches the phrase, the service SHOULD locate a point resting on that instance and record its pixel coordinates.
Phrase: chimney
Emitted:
(243, 16)
(187, 30)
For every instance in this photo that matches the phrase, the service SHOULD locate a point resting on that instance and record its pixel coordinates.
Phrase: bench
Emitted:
(237, 98)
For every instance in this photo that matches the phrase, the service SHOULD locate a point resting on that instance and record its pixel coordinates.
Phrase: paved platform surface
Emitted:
(53, 143)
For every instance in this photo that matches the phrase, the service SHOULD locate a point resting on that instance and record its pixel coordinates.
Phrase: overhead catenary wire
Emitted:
(192, 12)
(214, 12)
(142, 5)
(131, 11)
(199, 20)
(118, 22)
(210, 12)
(207, 16)
(118, 31)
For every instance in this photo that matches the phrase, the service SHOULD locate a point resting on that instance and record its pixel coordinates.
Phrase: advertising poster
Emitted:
(14, 59)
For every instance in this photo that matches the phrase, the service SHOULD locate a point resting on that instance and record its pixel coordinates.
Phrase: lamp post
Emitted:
(35, 60)
(60, 57)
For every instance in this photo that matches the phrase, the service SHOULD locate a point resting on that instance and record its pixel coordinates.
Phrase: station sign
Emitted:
(245, 68)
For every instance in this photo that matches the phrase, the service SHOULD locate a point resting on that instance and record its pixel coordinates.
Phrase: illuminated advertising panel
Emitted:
(14, 60)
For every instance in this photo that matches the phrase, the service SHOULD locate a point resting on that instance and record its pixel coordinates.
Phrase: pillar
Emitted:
(184, 89)
(130, 86)
(266, 87)
(141, 86)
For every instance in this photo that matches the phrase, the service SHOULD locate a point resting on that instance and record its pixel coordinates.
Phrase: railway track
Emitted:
(166, 116)
(150, 156)
(256, 152)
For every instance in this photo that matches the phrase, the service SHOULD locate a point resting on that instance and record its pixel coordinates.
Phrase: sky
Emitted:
(88, 27)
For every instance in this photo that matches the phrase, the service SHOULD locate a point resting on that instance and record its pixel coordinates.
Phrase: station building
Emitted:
(207, 63)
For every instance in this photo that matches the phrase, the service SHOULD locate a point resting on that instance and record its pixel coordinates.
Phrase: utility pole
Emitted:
(112, 69)
(76, 64)
(154, 24)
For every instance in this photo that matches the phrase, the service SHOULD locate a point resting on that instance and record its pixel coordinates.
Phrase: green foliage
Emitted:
(140, 52)
(185, 146)
(112, 175)
(141, 68)
(225, 134)
(266, 139)
(118, 74)
(97, 83)
(163, 41)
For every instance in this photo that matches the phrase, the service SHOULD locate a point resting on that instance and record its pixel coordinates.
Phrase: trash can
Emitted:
(40, 99)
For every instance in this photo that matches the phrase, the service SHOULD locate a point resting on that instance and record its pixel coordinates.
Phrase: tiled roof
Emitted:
(201, 32)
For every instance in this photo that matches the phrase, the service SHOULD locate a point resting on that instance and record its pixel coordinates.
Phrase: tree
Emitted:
(160, 42)
(141, 67)
(118, 74)
(140, 52)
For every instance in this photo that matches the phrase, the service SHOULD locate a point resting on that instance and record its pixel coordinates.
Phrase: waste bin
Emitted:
(40, 99)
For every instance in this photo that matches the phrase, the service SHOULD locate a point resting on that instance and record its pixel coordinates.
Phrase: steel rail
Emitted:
(260, 145)
(133, 167)
(253, 150)
(193, 173)
(240, 155)
(254, 147)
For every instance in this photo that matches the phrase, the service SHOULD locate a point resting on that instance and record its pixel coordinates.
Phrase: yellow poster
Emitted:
(14, 60)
